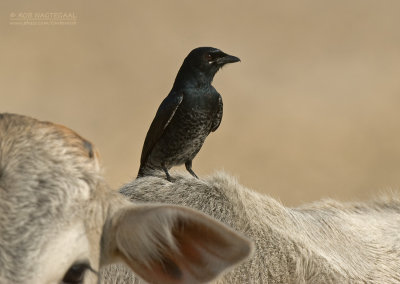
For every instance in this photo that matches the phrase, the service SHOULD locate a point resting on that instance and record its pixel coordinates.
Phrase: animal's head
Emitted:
(59, 221)
(203, 63)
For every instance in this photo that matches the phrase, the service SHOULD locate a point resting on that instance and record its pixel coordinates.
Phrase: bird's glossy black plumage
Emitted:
(187, 115)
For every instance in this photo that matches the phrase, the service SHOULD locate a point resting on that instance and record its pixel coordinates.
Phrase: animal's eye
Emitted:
(76, 273)
(209, 56)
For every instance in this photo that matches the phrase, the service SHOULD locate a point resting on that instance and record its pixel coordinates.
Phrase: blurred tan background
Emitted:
(313, 109)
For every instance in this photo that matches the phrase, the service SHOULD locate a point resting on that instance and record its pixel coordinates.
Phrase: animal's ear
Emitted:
(172, 244)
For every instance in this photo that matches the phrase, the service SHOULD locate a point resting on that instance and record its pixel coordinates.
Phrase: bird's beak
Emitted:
(227, 59)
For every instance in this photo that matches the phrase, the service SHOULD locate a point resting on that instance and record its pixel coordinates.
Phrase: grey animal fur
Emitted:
(323, 242)
(40, 184)
(51, 185)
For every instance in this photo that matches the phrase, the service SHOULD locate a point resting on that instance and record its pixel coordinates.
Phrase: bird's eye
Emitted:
(209, 57)
(76, 273)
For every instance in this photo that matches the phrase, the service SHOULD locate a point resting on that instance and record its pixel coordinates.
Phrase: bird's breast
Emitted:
(186, 132)
(201, 101)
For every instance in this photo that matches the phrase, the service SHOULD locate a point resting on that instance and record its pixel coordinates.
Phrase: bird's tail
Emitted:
(141, 172)
(145, 170)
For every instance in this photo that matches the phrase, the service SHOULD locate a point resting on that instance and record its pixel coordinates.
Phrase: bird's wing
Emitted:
(218, 115)
(163, 117)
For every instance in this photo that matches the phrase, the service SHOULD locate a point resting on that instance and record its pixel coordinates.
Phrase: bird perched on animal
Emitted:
(192, 110)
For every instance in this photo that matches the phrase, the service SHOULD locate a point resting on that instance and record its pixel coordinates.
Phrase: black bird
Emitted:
(192, 110)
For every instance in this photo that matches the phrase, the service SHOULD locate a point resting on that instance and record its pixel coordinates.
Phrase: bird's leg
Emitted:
(166, 172)
(188, 166)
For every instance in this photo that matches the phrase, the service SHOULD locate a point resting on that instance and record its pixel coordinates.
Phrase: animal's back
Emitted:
(328, 242)
(276, 257)
(360, 239)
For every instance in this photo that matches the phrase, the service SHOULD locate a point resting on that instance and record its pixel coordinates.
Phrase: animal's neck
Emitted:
(189, 76)
(227, 196)
(222, 198)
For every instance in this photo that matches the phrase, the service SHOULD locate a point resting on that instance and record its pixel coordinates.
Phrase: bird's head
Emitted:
(204, 62)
